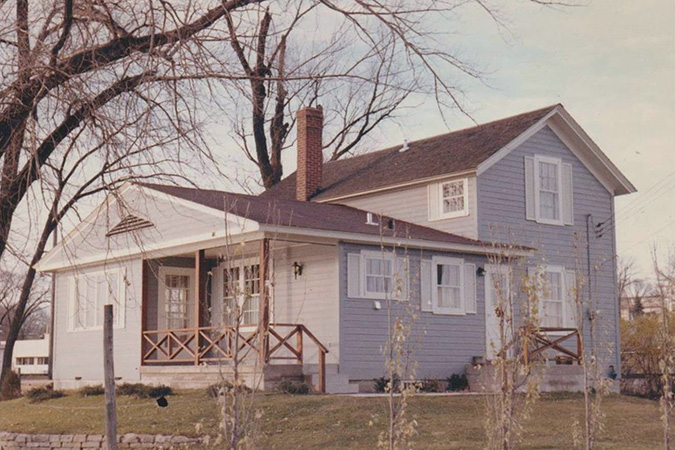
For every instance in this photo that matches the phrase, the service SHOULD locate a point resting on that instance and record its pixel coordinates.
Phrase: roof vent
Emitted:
(129, 223)
(405, 146)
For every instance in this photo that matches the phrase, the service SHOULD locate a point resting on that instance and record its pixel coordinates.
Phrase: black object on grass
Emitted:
(162, 402)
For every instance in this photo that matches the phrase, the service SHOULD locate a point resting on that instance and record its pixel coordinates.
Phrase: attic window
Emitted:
(129, 223)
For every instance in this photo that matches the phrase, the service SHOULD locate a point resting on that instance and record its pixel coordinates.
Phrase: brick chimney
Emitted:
(310, 154)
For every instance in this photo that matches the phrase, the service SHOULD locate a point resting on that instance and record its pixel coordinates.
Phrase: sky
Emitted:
(611, 63)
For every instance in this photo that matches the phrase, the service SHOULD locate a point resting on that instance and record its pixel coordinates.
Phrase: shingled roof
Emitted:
(308, 215)
(454, 152)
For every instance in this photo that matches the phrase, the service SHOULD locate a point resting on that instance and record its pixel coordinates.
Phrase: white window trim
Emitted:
(445, 260)
(161, 295)
(120, 321)
(453, 214)
(382, 256)
(558, 163)
(563, 293)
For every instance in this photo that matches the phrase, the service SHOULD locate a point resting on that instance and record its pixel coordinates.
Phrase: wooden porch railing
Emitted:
(542, 340)
(284, 341)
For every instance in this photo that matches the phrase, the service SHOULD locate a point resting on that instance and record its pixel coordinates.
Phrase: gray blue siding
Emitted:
(501, 215)
(442, 344)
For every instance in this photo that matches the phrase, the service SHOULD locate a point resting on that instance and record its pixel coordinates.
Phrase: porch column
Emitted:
(201, 276)
(264, 306)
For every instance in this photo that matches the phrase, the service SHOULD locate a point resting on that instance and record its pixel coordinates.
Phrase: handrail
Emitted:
(199, 345)
(543, 342)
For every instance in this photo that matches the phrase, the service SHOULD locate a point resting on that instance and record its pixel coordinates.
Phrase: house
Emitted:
(31, 356)
(632, 307)
(315, 261)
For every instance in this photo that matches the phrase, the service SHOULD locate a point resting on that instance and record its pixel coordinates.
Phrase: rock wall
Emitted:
(93, 441)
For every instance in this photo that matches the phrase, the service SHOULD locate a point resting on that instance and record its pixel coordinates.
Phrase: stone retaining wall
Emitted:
(93, 441)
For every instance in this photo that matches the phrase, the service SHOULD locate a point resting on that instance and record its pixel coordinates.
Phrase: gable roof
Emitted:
(309, 215)
(462, 151)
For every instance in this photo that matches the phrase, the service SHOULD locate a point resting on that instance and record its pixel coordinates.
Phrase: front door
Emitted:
(497, 294)
(176, 298)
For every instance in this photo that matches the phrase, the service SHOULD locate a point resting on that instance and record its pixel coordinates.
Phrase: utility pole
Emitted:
(109, 379)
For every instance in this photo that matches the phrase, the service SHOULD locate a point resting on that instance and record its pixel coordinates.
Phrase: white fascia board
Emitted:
(272, 231)
(620, 182)
(106, 203)
(187, 203)
(163, 249)
(524, 136)
(235, 225)
(569, 131)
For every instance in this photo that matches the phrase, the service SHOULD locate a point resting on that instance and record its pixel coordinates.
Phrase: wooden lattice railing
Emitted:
(283, 341)
(548, 338)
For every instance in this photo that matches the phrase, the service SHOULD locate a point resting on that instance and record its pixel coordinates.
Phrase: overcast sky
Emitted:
(611, 64)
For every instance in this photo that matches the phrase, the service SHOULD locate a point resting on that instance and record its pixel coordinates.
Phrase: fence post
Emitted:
(109, 379)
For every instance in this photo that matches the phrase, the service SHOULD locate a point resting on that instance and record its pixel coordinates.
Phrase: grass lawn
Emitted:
(295, 422)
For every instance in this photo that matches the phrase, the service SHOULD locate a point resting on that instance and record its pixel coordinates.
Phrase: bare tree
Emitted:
(626, 275)
(665, 291)
(366, 61)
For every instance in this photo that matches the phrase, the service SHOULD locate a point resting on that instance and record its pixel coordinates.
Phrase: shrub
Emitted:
(41, 394)
(295, 387)
(90, 391)
(140, 390)
(430, 385)
(382, 385)
(457, 382)
(11, 388)
(215, 390)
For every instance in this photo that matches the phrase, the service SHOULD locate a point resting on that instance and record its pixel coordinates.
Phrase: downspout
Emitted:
(591, 310)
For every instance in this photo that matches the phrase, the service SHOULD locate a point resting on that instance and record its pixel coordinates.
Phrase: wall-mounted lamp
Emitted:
(297, 269)
(480, 272)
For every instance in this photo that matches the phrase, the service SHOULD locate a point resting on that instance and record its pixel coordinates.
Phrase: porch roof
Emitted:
(312, 216)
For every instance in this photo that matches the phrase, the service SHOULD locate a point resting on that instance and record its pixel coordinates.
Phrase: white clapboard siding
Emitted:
(412, 204)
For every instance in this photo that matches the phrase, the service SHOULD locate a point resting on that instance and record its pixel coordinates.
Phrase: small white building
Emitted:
(31, 356)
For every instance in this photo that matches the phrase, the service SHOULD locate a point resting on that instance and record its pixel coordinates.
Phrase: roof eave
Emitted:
(478, 248)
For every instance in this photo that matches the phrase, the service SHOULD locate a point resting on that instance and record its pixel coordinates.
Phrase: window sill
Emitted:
(450, 216)
(449, 313)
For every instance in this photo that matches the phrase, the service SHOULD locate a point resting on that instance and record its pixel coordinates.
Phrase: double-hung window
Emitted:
(378, 273)
(548, 183)
(448, 285)
(93, 290)
(454, 199)
(241, 294)
(553, 299)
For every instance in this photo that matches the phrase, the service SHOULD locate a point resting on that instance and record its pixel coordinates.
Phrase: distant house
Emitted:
(305, 259)
(31, 356)
(632, 307)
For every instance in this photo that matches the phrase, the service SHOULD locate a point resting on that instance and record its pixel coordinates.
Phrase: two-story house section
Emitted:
(535, 179)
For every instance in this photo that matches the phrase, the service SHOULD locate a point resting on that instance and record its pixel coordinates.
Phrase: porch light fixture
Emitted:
(297, 269)
(480, 272)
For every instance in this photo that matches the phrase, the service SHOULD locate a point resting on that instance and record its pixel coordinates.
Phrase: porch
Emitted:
(204, 313)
